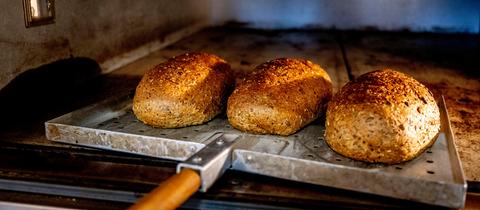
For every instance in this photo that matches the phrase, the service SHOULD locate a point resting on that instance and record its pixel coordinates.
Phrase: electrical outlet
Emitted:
(39, 12)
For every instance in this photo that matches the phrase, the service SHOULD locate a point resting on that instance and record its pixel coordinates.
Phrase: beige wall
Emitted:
(95, 29)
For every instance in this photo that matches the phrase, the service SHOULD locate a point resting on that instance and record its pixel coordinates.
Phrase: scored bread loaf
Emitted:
(382, 117)
(188, 89)
(279, 97)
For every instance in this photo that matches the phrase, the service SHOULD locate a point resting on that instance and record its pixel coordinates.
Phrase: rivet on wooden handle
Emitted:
(171, 193)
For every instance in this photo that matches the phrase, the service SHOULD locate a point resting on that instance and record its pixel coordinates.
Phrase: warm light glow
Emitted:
(34, 8)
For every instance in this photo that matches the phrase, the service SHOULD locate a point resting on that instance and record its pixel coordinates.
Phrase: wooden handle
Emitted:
(171, 193)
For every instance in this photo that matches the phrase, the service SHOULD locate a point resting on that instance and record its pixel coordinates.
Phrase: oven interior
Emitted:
(97, 50)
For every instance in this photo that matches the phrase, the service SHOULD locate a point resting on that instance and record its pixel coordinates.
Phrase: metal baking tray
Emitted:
(435, 177)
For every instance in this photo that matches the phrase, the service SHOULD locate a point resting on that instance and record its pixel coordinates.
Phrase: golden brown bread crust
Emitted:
(188, 89)
(383, 116)
(280, 97)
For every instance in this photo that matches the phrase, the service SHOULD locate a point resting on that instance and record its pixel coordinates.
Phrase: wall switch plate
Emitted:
(38, 12)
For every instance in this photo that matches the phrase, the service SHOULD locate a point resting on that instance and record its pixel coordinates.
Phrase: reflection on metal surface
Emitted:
(435, 177)
(22, 206)
(213, 160)
(38, 12)
(112, 195)
(66, 190)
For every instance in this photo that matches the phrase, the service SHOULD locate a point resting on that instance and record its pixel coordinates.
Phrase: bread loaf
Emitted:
(382, 117)
(280, 97)
(185, 90)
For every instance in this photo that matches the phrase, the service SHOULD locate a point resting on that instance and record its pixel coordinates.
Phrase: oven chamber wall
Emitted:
(114, 33)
